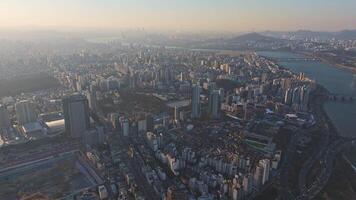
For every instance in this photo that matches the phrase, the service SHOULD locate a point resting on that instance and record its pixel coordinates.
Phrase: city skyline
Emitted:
(158, 15)
(177, 99)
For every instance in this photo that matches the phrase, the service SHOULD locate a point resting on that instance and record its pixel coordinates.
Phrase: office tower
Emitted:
(214, 104)
(76, 115)
(4, 117)
(91, 96)
(195, 100)
(25, 112)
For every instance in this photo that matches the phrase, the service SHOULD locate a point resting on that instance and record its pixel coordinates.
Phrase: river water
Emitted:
(336, 80)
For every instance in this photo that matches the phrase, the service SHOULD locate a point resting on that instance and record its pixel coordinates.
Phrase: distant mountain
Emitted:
(252, 37)
(242, 42)
(308, 33)
(302, 34)
(346, 35)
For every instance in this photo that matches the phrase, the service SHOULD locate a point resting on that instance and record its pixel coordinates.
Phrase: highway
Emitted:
(325, 153)
(326, 161)
(286, 163)
(307, 166)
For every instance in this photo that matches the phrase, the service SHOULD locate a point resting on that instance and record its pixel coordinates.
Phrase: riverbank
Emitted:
(326, 61)
(335, 80)
(340, 171)
(330, 126)
(318, 107)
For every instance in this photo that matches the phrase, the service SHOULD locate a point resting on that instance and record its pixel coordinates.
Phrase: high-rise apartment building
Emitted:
(25, 112)
(195, 100)
(214, 104)
(4, 117)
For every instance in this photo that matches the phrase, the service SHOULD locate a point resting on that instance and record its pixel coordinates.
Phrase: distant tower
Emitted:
(115, 122)
(76, 115)
(210, 88)
(296, 95)
(176, 114)
(195, 101)
(245, 107)
(4, 117)
(257, 176)
(214, 104)
(91, 96)
(25, 112)
(125, 127)
(288, 96)
(304, 96)
(301, 76)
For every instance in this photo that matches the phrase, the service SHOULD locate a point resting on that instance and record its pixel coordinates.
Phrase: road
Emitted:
(134, 166)
(326, 161)
(325, 153)
(286, 164)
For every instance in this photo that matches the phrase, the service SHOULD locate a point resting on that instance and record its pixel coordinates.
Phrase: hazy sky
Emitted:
(197, 15)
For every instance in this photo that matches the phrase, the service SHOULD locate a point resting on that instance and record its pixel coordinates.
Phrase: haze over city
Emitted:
(177, 99)
(183, 15)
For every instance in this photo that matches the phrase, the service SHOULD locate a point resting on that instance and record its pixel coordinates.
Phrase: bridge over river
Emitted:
(295, 59)
(341, 97)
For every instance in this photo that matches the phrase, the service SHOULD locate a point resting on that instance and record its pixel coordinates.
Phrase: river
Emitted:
(336, 80)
